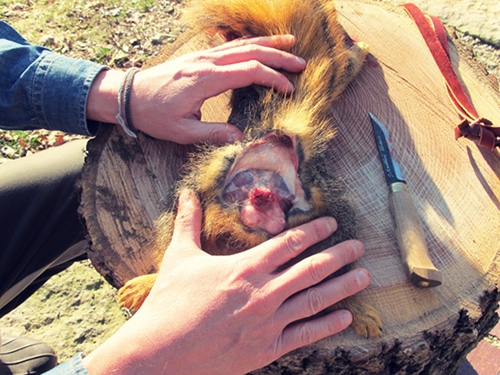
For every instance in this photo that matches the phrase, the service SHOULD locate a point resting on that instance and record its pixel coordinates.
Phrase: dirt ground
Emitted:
(76, 310)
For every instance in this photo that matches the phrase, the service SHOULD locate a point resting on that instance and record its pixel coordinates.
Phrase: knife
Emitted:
(409, 231)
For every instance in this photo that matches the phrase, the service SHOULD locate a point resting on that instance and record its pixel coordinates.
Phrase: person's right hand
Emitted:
(232, 314)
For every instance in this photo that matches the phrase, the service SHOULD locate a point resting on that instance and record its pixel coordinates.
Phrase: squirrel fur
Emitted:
(297, 127)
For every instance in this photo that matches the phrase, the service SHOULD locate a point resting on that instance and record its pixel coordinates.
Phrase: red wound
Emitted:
(262, 197)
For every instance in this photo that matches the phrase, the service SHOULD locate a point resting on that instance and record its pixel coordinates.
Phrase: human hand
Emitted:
(166, 100)
(232, 314)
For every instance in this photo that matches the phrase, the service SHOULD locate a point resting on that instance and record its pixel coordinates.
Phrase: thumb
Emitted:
(185, 241)
(187, 225)
(217, 133)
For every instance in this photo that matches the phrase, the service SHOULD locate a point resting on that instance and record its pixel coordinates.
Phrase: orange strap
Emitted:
(472, 126)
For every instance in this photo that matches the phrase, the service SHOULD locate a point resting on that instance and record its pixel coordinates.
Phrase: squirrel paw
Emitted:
(366, 320)
(132, 295)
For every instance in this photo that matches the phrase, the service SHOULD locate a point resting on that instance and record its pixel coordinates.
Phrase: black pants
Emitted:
(41, 232)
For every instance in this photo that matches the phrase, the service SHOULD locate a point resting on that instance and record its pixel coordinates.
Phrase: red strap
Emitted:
(440, 32)
(472, 126)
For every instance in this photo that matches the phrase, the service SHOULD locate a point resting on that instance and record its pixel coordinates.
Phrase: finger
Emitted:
(305, 333)
(195, 131)
(282, 42)
(187, 227)
(315, 268)
(321, 296)
(243, 74)
(275, 252)
(271, 57)
(259, 70)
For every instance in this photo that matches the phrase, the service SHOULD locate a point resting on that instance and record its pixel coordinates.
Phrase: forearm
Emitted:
(137, 356)
(102, 103)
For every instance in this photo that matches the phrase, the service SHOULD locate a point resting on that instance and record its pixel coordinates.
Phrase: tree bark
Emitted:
(454, 184)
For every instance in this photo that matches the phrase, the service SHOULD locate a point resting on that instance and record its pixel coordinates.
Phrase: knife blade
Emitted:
(409, 232)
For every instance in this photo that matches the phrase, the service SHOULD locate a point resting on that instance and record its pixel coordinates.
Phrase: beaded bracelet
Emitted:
(123, 116)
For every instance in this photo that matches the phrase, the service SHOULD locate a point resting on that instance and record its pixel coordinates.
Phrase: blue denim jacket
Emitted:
(72, 367)
(42, 89)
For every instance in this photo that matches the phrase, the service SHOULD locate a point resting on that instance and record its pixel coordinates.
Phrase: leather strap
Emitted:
(472, 126)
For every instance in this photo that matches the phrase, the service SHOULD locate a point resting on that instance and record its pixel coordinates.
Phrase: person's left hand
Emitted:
(166, 100)
(227, 315)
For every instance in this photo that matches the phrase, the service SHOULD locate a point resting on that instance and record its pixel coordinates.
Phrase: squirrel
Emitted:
(278, 176)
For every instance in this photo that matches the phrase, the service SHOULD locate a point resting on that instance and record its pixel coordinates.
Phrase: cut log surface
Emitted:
(455, 186)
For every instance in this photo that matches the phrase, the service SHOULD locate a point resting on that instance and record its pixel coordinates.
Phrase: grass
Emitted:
(117, 33)
(79, 28)
(64, 26)
(18, 143)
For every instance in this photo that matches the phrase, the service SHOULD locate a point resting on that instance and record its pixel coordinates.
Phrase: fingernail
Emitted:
(345, 318)
(283, 41)
(233, 137)
(358, 248)
(300, 60)
(362, 277)
(185, 196)
(331, 224)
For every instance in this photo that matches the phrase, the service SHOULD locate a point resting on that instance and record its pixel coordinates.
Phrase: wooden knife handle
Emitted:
(411, 238)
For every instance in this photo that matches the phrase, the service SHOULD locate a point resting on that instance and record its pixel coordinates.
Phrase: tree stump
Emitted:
(455, 186)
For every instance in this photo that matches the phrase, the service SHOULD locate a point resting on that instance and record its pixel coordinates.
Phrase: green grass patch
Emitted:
(95, 30)
(17, 143)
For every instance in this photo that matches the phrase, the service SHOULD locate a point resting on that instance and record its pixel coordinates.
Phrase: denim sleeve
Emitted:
(42, 89)
(72, 367)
